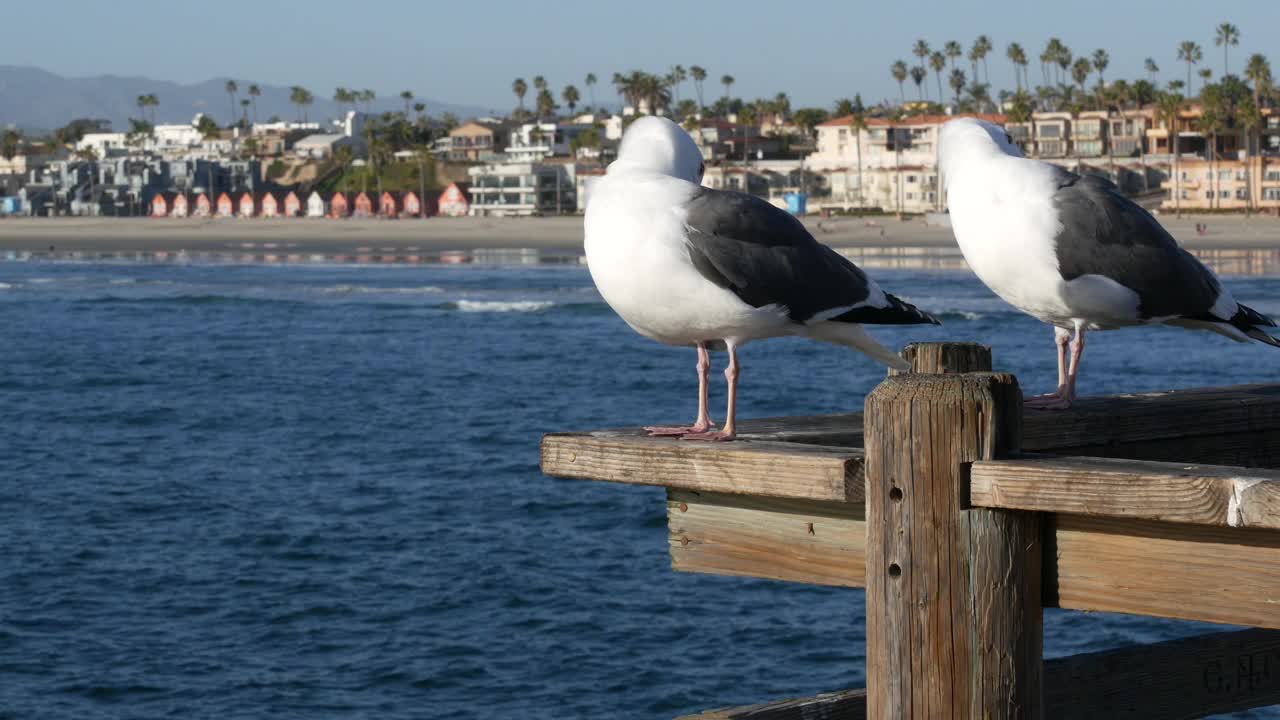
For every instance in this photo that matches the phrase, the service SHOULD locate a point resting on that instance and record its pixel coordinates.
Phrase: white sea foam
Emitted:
(503, 306)
(5, 286)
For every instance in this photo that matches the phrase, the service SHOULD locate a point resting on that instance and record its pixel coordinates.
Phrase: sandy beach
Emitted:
(434, 235)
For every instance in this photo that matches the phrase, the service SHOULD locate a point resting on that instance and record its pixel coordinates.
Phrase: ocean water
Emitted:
(245, 492)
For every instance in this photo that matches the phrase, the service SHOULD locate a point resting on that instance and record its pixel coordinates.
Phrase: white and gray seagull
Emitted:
(691, 266)
(1073, 252)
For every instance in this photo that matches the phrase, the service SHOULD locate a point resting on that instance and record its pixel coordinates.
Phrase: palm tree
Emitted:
(1258, 71)
(254, 93)
(570, 97)
(920, 50)
(1152, 69)
(1189, 52)
(142, 103)
(300, 97)
(244, 111)
(918, 74)
(938, 63)
(727, 81)
(981, 47)
(698, 73)
(1080, 72)
(957, 82)
(1226, 36)
(545, 104)
(1205, 75)
(1100, 62)
(678, 75)
(519, 87)
(1177, 86)
(1167, 107)
(1064, 60)
(952, 50)
(232, 89)
(899, 72)
(367, 97)
(539, 83)
(1249, 117)
(590, 81)
(1212, 122)
(858, 123)
(407, 97)
(10, 140)
(1018, 57)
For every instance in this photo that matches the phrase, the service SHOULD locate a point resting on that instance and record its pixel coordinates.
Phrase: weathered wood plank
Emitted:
(1190, 572)
(946, 357)
(1174, 680)
(953, 595)
(770, 469)
(841, 705)
(1168, 492)
(808, 541)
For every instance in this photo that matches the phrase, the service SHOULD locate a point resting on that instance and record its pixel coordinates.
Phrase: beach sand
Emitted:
(434, 235)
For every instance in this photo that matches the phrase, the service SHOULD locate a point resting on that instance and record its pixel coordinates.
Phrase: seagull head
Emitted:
(970, 140)
(656, 145)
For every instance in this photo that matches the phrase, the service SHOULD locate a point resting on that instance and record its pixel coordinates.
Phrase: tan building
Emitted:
(472, 141)
(1234, 179)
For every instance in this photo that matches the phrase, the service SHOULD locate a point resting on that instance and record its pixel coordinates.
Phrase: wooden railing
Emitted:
(963, 517)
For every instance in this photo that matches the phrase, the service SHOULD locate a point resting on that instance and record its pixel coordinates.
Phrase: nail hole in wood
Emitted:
(895, 494)
(894, 570)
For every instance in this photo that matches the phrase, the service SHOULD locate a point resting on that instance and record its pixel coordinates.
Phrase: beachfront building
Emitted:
(899, 163)
(224, 206)
(473, 142)
(246, 206)
(181, 206)
(1228, 172)
(270, 206)
(338, 206)
(533, 142)
(292, 205)
(523, 188)
(411, 205)
(362, 207)
(320, 146)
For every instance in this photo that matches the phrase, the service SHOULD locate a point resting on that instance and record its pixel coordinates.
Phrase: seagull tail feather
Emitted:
(856, 337)
(1262, 336)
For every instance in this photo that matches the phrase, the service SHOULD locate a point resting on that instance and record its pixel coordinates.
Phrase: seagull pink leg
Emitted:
(1060, 337)
(1067, 392)
(703, 423)
(731, 377)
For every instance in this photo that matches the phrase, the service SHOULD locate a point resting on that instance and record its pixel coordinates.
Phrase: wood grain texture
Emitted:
(953, 595)
(823, 543)
(841, 705)
(1169, 492)
(1190, 572)
(946, 357)
(1174, 680)
(769, 469)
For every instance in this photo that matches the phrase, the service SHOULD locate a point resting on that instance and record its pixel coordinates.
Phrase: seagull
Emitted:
(1071, 251)
(691, 266)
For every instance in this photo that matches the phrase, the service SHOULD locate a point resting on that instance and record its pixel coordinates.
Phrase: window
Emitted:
(1186, 194)
(844, 133)
(911, 178)
(1240, 194)
(1185, 176)
(1224, 194)
(1050, 131)
(1272, 176)
(1271, 194)
(1208, 194)
(911, 196)
(1224, 174)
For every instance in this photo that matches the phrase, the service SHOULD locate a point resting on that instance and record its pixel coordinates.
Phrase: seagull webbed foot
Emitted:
(660, 431)
(1049, 401)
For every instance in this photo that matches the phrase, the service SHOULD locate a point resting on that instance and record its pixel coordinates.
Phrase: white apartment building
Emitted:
(528, 188)
(899, 163)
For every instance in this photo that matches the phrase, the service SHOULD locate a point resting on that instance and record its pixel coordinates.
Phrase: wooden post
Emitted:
(946, 357)
(954, 627)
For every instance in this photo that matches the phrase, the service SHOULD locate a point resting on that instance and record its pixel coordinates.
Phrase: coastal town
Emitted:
(1197, 145)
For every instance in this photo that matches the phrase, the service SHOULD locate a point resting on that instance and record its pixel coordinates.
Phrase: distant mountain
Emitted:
(37, 100)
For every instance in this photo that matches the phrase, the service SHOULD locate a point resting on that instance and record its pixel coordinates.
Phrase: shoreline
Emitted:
(555, 235)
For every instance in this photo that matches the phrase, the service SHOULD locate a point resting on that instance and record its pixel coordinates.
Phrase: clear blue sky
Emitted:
(469, 52)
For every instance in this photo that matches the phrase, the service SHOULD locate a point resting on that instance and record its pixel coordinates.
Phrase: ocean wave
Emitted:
(185, 300)
(6, 286)
(367, 289)
(960, 315)
(503, 305)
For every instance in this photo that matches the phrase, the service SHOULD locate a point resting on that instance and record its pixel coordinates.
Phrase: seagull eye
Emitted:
(1008, 138)
(702, 169)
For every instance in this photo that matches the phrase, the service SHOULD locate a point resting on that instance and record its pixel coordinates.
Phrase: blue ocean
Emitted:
(247, 491)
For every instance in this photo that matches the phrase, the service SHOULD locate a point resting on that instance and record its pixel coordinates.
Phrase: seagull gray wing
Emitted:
(1104, 233)
(765, 256)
